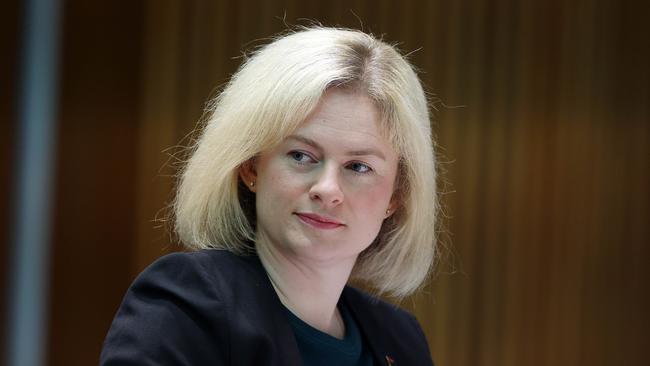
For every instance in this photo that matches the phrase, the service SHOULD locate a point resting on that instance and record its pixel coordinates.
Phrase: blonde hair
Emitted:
(266, 100)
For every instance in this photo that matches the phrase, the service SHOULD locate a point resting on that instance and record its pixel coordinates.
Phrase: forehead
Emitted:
(345, 117)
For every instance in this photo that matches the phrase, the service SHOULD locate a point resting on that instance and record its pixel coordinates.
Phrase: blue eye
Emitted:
(300, 157)
(361, 168)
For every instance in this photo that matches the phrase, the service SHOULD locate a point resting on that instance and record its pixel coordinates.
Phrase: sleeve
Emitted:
(171, 315)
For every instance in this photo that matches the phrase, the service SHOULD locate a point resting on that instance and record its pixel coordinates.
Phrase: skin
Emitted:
(321, 197)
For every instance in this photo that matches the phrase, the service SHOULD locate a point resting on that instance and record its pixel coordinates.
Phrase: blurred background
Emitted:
(543, 132)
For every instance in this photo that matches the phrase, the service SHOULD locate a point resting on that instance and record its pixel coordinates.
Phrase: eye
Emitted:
(300, 157)
(360, 168)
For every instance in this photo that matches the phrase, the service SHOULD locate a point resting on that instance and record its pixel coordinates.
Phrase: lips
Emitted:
(319, 222)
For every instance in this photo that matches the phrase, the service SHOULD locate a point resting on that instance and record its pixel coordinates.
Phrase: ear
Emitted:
(248, 174)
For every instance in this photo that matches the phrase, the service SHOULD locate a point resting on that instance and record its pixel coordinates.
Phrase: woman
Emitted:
(315, 167)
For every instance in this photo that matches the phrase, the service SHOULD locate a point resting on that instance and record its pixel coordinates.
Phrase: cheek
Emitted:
(373, 202)
(278, 189)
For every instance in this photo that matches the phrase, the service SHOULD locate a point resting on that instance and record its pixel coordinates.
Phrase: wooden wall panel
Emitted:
(157, 129)
(94, 207)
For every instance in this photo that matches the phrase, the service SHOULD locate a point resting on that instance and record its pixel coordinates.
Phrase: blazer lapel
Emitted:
(276, 321)
(362, 310)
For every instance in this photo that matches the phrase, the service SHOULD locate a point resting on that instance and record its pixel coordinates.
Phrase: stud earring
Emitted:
(252, 184)
(388, 212)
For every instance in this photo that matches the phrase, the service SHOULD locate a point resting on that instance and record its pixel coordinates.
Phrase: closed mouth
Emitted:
(319, 221)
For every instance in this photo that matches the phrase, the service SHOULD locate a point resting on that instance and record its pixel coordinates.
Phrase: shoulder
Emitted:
(388, 328)
(178, 306)
(201, 273)
(203, 262)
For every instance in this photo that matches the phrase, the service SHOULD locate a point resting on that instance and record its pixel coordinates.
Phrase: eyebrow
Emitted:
(362, 152)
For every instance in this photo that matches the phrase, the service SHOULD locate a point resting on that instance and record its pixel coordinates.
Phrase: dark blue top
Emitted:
(321, 349)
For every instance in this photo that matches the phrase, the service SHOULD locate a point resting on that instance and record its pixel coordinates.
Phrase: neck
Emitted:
(310, 289)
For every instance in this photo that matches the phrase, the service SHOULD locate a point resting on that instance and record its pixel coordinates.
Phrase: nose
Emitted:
(327, 187)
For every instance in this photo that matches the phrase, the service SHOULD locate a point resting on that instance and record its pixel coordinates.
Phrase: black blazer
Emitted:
(215, 308)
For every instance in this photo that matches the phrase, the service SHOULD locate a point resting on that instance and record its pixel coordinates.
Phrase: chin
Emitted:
(324, 251)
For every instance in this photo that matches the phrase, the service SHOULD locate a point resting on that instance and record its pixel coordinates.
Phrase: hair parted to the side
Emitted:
(267, 99)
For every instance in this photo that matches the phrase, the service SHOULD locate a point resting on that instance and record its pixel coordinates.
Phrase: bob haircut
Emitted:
(267, 99)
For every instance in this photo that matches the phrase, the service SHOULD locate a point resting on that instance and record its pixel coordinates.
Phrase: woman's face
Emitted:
(322, 194)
